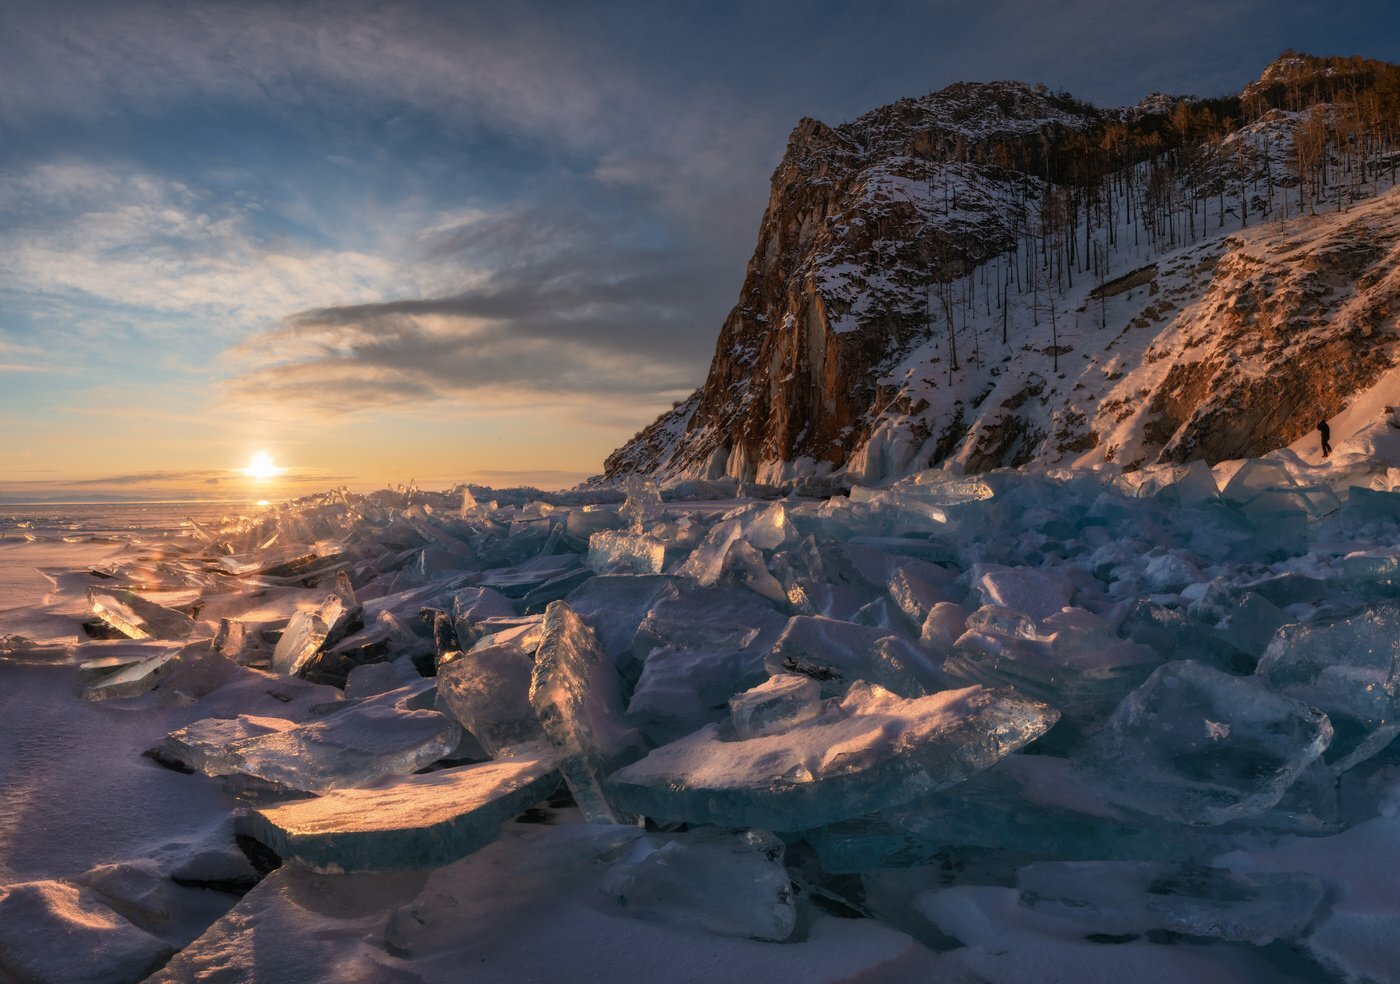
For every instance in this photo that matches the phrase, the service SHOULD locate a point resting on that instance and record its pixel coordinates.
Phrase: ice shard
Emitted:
(643, 507)
(351, 747)
(1199, 746)
(577, 695)
(1348, 667)
(779, 703)
(487, 691)
(138, 618)
(205, 746)
(613, 552)
(869, 751)
(422, 821)
(732, 885)
(1125, 897)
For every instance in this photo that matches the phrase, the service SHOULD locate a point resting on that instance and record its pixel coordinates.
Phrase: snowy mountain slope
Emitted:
(996, 275)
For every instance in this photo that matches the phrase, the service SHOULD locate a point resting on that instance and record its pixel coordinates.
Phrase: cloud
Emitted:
(579, 306)
(80, 233)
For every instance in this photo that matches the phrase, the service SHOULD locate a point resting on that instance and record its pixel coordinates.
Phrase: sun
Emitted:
(261, 466)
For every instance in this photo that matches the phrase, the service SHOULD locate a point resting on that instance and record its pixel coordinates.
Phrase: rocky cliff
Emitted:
(996, 274)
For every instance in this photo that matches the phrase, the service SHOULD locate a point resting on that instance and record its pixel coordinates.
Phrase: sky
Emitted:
(445, 242)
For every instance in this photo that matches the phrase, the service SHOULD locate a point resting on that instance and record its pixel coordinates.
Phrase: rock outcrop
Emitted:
(996, 274)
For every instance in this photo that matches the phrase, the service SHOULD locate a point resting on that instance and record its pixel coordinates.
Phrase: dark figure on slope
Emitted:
(1326, 433)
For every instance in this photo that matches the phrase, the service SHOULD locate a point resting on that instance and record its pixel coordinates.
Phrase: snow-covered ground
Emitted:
(1066, 726)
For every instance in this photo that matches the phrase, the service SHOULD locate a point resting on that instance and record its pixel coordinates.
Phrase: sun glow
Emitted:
(261, 467)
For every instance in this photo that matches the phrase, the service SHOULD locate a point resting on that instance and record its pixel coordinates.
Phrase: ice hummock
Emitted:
(771, 676)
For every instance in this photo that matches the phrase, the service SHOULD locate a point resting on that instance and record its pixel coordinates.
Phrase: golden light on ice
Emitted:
(261, 466)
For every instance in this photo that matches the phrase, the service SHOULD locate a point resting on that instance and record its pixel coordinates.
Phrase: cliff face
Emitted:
(997, 274)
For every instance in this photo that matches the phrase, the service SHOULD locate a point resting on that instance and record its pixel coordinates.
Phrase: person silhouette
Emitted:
(1326, 433)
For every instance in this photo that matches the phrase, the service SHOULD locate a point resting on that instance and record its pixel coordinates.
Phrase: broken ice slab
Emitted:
(1254, 476)
(643, 507)
(612, 552)
(1372, 573)
(836, 653)
(870, 751)
(1369, 505)
(706, 562)
(1200, 746)
(308, 631)
(487, 691)
(205, 746)
(421, 821)
(1025, 803)
(1036, 592)
(53, 932)
(1125, 897)
(351, 747)
(1348, 667)
(18, 649)
(781, 702)
(140, 677)
(1077, 664)
(138, 618)
(733, 885)
(1251, 624)
(614, 605)
(769, 527)
(577, 695)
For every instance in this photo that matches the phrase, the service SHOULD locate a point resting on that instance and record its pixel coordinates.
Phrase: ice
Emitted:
(721, 883)
(1038, 593)
(643, 508)
(1025, 803)
(56, 933)
(308, 632)
(836, 653)
(205, 746)
(138, 618)
(706, 562)
(18, 649)
(612, 552)
(350, 747)
(422, 821)
(136, 679)
(1348, 667)
(1200, 746)
(487, 691)
(1124, 897)
(1251, 624)
(770, 527)
(777, 704)
(613, 606)
(577, 695)
(870, 750)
